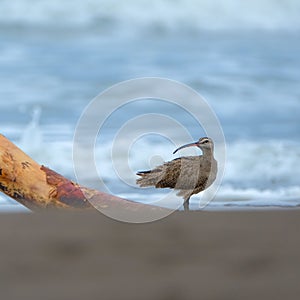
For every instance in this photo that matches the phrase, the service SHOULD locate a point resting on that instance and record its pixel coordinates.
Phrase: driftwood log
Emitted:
(38, 187)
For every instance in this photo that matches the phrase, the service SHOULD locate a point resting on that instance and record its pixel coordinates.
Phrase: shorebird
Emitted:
(188, 174)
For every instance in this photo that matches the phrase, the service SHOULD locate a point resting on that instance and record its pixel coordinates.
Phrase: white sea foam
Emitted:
(263, 163)
(250, 164)
(158, 15)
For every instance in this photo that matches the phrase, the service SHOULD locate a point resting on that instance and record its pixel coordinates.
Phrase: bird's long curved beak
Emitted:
(185, 146)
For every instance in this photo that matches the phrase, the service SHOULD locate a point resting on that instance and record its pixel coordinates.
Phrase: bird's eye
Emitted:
(205, 142)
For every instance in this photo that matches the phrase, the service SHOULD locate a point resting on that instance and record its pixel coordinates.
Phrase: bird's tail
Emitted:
(148, 178)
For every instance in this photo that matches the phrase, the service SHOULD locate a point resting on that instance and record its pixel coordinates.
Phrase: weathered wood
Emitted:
(38, 187)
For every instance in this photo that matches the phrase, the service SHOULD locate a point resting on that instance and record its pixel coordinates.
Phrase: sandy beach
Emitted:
(189, 255)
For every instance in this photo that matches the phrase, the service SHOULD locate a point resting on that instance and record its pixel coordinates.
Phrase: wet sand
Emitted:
(195, 255)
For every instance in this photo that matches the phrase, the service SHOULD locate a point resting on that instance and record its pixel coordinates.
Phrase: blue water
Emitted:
(246, 65)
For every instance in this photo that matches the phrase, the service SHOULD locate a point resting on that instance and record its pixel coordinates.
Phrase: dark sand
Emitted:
(196, 255)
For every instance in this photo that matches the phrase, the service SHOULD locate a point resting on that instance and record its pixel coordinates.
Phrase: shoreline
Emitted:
(12, 209)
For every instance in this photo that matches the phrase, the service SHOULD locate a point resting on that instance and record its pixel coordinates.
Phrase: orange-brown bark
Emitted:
(38, 187)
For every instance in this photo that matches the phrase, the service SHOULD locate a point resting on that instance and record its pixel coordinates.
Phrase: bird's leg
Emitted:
(186, 204)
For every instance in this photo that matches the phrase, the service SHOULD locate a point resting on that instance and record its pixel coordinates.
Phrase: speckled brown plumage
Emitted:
(189, 175)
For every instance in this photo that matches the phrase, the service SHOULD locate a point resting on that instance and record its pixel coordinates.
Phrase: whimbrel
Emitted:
(188, 174)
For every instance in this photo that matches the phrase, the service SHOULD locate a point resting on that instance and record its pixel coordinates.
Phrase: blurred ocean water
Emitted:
(157, 15)
(242, 56)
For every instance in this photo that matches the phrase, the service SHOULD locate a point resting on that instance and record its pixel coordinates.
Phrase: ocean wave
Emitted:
(157, 15)
(249, 164)
(261, 164)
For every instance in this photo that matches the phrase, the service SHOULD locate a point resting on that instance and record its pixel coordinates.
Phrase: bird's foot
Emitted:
(186, 205)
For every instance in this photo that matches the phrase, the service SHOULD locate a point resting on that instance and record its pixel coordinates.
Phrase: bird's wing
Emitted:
(180, 173)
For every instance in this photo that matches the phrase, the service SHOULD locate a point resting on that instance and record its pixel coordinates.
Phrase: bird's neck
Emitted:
(208, 152)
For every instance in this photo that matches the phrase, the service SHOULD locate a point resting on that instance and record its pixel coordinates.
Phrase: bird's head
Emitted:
(204, 143)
